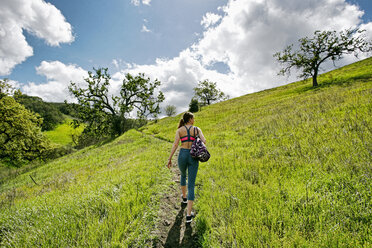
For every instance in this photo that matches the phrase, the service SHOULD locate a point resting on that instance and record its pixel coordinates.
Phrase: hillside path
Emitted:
(171, 229)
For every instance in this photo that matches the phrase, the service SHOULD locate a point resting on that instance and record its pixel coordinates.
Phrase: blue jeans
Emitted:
(186, 162)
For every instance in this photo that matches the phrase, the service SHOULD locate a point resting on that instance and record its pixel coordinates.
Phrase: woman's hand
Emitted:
(169, 163)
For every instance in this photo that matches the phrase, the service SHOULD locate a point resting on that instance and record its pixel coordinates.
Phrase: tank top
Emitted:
(188, 137)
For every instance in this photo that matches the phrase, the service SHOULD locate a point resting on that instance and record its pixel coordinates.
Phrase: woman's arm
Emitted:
(174, 148)
(201, 136)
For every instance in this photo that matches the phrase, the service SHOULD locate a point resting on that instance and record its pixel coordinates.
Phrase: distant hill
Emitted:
(290, 167)
(51, 113)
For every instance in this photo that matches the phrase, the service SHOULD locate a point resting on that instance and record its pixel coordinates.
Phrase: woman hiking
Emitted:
(186, 133)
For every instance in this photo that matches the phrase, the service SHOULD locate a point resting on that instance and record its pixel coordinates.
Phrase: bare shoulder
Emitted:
(179, 130)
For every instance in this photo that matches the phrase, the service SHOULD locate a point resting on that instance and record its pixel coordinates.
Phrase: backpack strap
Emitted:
(197, 131)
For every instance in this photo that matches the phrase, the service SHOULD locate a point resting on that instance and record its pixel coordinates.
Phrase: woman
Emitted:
(186, 133)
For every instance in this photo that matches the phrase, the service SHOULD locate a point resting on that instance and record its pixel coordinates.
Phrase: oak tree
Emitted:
(208, 92)
(106, 115)
(21, 138)
(323, 46)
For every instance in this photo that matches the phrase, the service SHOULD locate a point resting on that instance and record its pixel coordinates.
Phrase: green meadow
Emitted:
(63, 133)
(290, 167)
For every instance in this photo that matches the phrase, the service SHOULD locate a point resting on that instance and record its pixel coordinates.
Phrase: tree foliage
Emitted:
(111, 116)
(170, 110)
(208, 92)
(67, 108)
(51, 115)
(323, 46)
(21, 138)
(5, 88)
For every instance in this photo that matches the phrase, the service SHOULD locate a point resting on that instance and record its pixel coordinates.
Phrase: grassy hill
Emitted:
(290, 167)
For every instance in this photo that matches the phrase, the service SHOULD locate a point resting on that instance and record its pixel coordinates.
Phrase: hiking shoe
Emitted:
(183, 200)
(189, 218)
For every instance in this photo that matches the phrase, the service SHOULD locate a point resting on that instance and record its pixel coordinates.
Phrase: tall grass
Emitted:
(106, 196)
(290, 166)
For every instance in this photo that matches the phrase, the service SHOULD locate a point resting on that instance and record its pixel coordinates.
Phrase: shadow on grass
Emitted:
(174, 235)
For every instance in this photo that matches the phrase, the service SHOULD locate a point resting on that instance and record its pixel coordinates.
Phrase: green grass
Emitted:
(290, 167)
(103, 196)
(62, 134)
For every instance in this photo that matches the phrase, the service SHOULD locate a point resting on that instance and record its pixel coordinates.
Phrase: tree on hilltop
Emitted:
(170, 110)
(208, 92)
(323, 46)
(110, 116)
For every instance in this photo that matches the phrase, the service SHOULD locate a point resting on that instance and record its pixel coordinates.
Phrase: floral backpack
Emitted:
(198, 149)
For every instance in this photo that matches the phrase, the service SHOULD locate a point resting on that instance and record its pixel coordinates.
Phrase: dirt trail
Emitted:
(172, 230)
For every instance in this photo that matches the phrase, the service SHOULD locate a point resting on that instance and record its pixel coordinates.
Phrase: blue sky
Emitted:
(178, 42)
(365, 5)
(107, 30)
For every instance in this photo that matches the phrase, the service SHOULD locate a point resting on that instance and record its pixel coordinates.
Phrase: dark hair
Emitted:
(185, 119)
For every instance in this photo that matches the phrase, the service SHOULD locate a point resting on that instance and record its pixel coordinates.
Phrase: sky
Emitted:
(46, 44)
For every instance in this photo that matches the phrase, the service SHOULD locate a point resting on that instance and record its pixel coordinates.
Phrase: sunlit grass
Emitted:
(290, 167)
(104, 196)
(63, 133)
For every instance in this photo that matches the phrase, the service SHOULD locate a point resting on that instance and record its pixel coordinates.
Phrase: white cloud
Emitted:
(245, 39)
(37, 17)
(368, 28)
(138, 2)
(15, 84)
(253, 30)
(178, 77)
(210, 19)
(146, 2)
(58, 77)
(145, 29)
(135, 2)
(119, 64)
(115, 63)
(13, 47)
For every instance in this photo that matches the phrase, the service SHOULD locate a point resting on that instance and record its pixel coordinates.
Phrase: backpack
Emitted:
(198, 149)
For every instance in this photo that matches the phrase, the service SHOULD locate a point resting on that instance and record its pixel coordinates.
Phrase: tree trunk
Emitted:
(315, 77)
(315, 81)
